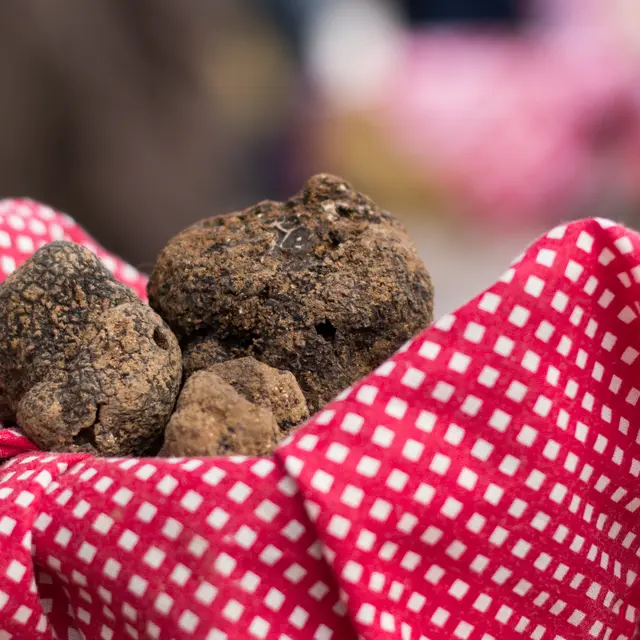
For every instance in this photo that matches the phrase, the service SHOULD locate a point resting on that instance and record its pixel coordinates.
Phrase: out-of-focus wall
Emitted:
(139, 117)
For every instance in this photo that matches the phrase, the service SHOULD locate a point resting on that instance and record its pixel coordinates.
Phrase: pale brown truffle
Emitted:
(267, 387)
(212, 419)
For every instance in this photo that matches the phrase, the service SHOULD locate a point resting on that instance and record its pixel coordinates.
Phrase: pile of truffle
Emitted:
(255, 320)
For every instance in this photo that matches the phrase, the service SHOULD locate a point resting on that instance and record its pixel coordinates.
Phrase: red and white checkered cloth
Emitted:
(482, 483)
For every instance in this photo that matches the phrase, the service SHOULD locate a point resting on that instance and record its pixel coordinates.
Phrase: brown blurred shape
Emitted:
(117, 112)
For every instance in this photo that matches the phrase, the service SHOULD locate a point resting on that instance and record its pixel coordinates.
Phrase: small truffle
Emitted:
(270, 388)
(325, 285)
(213, 419)
(84, 364)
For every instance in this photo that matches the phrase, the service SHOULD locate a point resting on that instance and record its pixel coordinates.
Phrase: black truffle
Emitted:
(84, 364)
(325, 285)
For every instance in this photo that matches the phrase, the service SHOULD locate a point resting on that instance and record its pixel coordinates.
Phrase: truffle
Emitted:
(211, 419)
(325, 285)
(84, 364)
(201, 354)
(270, 388)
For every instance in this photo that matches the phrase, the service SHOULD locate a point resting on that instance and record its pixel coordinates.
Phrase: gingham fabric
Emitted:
(481, 484)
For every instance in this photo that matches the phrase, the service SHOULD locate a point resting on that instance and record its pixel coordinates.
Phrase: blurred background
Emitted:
(479, 123)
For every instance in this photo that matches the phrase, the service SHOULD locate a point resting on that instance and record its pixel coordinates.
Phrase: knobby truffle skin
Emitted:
(201, 354)
(267, 387)
(325, 285)
(84, 364)
(49, 307)
(211, 418)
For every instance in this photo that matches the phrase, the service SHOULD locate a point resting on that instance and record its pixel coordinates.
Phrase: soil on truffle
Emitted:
(267, 387)
(49, 307)
(213, 419)
(325, 285)
(84, 364)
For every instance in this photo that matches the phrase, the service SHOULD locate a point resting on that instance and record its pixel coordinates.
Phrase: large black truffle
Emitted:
(325, 285)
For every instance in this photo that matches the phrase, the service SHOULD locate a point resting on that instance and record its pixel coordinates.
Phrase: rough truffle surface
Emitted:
(213, 419)
(201, 354)
(267, 387)
(84, 364)
(325, 285)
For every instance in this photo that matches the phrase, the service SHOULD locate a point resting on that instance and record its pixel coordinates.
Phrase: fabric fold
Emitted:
(483, 482)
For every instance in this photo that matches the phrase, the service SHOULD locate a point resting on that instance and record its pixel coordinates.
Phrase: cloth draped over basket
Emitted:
(481, 484)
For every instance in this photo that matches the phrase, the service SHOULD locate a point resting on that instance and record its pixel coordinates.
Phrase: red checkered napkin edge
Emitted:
(480, 484)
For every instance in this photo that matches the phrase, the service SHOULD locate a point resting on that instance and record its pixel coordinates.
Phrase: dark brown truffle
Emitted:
(84, 364)
(211, 419)
(325, 285)
(267, 387)
(201, 354)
